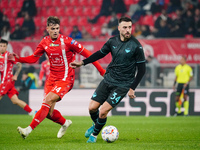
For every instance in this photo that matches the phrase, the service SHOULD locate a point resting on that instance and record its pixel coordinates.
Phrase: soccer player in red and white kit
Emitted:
(44, 71)
(61, 51)
(7, 85)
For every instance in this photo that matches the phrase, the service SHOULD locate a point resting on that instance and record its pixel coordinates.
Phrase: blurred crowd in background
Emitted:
(151, 18)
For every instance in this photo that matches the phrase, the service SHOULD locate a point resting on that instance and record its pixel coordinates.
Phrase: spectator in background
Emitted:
(1, 16)
(5, 33)
(197, 22)
(17, 34)
(187, 5)
(163, 16)
(177, 29)
(163, 31)
(76, 33)
(136, 16)
(113, 23)
(119, 7)
(145, 31)
(137, 33)
(33, 75)
(173, 5)
(194, 2)
(105, 10)
(104, 31)
(85, 34)
(28, 7)
(4, 22)
(136, 7)
(189, 23)
(28, 26)
(27, 82)
(156, 6)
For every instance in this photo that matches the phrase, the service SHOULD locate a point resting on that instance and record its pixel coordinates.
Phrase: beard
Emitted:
(126, 35)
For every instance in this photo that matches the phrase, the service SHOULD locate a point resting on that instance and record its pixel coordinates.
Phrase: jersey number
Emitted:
(57, 89)
(115, 98)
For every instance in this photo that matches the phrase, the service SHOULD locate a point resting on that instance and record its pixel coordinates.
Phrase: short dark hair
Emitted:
(185, 57)
(53, 20)
(4, 41)
(126, 19)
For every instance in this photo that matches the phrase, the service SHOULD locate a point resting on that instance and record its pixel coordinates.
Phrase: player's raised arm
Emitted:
(29, 59)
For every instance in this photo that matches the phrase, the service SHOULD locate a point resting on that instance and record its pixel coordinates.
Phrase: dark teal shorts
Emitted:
(112, 94)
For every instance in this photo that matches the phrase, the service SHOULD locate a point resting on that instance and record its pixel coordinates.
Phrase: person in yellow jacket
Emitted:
(184, 75)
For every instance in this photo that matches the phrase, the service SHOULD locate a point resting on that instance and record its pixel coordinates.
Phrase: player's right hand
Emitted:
(14, 78)
(12, 56)
(75, 64)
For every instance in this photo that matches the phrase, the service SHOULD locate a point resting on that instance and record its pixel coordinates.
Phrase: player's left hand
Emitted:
(14, 78)
(131, 93)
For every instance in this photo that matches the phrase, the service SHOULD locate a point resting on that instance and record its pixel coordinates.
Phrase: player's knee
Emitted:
(48, 101)
(15, 102)
(103, 113)
(92, 109)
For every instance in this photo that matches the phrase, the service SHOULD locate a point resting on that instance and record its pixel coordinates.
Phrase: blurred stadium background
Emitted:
(167, 29)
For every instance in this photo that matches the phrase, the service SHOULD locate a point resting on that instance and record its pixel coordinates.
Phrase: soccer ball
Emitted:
(110, 134)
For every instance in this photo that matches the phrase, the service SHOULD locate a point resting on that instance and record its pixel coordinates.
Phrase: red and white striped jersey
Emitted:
(61, 53)
(6, 67)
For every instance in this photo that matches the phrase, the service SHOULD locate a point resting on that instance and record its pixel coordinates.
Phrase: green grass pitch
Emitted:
(135, 133)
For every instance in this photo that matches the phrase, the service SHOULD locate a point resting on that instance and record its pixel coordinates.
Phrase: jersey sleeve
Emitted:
(34, 57)
(139, 55)
(75, 46)
(40, 49)
(106, 48)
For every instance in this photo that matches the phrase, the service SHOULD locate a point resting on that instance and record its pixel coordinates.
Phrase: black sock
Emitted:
(99, 125)
(94, 116)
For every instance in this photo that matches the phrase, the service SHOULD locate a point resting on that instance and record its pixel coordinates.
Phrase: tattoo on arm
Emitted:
(19, 67)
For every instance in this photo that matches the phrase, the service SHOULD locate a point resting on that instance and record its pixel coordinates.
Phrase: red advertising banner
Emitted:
(165, 50)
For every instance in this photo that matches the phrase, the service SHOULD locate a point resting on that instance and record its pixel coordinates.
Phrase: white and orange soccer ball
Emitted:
(110, 134)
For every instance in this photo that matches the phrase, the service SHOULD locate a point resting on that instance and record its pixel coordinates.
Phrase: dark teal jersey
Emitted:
(125, 56)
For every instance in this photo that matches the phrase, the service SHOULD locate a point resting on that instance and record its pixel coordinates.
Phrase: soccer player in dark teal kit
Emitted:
(119, 79)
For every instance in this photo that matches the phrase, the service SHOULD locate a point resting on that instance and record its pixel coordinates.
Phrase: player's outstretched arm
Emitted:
(86, 53)
(28, 59)
(92, 58)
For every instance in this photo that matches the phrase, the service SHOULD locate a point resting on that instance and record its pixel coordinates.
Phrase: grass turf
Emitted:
(137, 133)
